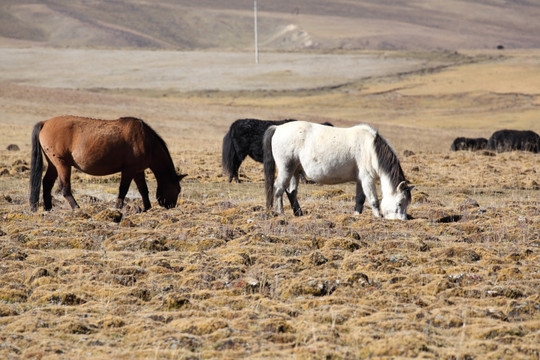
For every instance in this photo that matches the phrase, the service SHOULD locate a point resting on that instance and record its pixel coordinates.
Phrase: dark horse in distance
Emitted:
(462, 143)
(101, 147)
(245, 137)
(510, 140)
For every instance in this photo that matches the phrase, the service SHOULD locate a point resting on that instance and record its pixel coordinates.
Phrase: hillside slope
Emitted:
(286, 25)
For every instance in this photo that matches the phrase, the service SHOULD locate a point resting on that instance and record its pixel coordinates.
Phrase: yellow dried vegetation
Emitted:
(220, 277)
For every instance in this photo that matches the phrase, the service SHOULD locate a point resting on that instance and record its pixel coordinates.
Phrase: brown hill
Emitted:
(286, 25)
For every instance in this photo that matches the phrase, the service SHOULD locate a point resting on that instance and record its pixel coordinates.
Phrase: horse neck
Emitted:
(387, 185)
(161, 164)
(389, 168)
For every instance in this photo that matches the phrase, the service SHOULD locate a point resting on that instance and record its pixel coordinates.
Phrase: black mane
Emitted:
(388, 161)
(148, 129)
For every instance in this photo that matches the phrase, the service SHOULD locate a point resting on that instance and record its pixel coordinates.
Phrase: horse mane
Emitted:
(159, 139)
(388, 160)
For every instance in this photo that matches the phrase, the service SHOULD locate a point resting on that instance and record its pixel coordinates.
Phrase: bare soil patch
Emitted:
(192, 71)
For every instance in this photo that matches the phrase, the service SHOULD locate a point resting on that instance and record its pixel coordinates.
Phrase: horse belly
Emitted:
(329, 172)
(96, 164)
(104, 161)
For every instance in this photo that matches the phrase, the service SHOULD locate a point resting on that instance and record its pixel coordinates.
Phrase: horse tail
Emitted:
(36, 167)
(228, 154)
(269, 166)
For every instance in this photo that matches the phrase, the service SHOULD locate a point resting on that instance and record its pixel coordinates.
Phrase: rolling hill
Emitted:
(283, 25)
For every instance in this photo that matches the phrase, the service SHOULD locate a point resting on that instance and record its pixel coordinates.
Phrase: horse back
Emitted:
(509, 140)
(311, 138)
(327, 155)
(94, 146)
(247, 136)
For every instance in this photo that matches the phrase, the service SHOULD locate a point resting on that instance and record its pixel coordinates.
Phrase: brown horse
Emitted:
(101, 147)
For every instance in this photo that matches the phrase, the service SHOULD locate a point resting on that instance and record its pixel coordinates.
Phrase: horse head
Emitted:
(394, 206)
(168, 191)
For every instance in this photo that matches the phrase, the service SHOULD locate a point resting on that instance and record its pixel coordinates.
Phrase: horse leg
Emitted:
(370, 191)
(235, 168)
(279, 185)
(125, 181)
(48, 183)
(360, 199)
(282, 182)
(238, 159)
(292, 192)
(64, 175)
(60, 187)
(143, 189)
(278, 196)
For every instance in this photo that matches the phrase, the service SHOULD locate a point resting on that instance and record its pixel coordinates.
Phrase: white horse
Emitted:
(330, 155)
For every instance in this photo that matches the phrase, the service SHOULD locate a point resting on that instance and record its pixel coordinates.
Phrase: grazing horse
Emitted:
(245, 137)
(510, 140)
(101, 147)
(334, 156)
(462, 143)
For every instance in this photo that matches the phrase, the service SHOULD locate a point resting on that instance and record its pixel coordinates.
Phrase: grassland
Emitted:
(220, 277)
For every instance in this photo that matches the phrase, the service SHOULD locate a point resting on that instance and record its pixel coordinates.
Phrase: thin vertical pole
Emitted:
(256, 32)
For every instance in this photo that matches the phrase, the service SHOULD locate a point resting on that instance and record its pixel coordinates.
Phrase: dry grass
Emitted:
(220, 277)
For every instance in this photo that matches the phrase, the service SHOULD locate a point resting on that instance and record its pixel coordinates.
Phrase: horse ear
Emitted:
(402, 186)
(181, 176)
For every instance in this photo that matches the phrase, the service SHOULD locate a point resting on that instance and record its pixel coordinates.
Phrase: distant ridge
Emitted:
(283, 25)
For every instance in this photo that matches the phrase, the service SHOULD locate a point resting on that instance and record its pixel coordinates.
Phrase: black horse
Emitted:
(245, 137)
(510, 140)
(462, 143)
